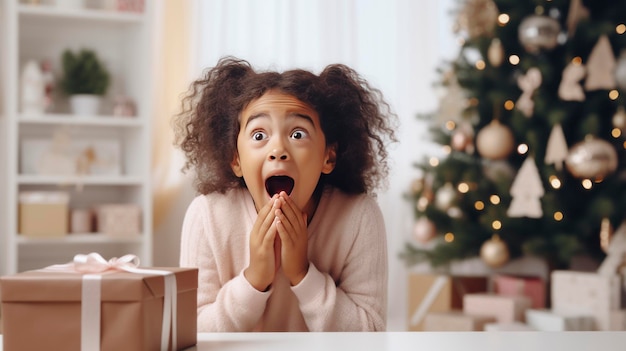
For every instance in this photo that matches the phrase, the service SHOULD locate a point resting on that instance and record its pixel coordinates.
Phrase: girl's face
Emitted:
(281, 146)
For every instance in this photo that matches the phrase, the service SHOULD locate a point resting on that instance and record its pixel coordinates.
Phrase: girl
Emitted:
(286, 233)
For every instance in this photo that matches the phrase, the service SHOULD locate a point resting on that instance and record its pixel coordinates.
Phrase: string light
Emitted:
(503, 19)
(448, 237)
(577, 60)
(587, 184)
(479, 205)
(522, 149)
(514, 59)
(480, 65)
(613, 94)
(447, 149)
(620, 29)
(624, 145)
(555, 182)
(495, 199)
(616, 133)
(496, 225)
(422, 204)
(558, 216)
(463, 188)
(450, 125)
(434, 161)
(509, 105)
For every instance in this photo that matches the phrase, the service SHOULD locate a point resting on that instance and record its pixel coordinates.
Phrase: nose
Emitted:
(278, 154)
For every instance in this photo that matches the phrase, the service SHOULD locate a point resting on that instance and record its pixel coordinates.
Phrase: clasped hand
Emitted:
(279, 238)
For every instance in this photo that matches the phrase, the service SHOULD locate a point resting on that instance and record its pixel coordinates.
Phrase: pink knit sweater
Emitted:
(345, 288)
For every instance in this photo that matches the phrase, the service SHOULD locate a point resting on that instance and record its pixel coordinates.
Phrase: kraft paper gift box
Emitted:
(42, 310)
(505, 309)
(438, 293)
(118, 219)
(455, 320)
(548, 320)
(587, 293)
(43, 213)
(531, 287)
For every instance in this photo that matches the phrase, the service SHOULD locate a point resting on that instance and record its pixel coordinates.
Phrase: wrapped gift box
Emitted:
(505, 309)
(438, 293)
(455, 320)
(586, 293)
(43, 213)
(118, 219)
(532, 287)
(42, 310)
(512, 326)
(548, 320)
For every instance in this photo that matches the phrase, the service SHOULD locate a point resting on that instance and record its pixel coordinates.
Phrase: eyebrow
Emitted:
(292, 114)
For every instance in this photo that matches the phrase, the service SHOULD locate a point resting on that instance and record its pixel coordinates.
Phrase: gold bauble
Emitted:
(494, 252)
(592, 158)
(495, 141)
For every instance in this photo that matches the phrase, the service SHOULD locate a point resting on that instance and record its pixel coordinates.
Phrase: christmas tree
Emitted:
(532, 126)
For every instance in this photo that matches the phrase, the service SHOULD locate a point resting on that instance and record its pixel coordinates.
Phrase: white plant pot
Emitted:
(85, 104)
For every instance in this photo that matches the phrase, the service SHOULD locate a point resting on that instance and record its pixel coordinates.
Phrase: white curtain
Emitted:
(395, 44)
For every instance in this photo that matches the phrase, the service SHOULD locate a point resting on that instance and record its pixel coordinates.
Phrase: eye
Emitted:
(258, 136)
(299, 134)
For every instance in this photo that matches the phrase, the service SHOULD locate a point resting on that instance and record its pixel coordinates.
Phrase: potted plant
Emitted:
(85, 80)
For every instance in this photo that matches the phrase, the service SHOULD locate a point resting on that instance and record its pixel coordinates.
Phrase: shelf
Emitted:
(35, 179)
(86, 238)
(70, 119)
(53, 12)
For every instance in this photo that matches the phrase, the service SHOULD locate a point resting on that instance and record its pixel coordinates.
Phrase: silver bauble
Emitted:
(620, 71)
(538, 32)
(592, 158)
(445, 197)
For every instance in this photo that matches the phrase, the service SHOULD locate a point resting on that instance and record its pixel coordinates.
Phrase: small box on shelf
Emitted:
(118, 219)
(43, 213)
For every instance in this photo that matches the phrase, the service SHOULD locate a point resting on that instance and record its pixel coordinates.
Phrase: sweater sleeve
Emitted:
(357, 301)
(233, 305)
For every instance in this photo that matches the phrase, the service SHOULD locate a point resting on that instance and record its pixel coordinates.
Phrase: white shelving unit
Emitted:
(124, 42)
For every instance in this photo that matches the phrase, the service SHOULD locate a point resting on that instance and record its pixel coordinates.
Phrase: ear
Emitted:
(235, 165)
(331, 159)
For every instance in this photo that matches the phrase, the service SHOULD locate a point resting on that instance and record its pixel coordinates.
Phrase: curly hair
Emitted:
(353, 116)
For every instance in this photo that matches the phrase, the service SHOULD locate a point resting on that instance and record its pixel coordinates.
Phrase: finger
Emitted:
(291, 211)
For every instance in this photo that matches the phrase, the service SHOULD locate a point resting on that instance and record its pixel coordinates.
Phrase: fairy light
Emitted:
(463, 188)
(555, 182)
(479, 205)
(509, 105)
(613, 94)
(587, 184)
(577, 60)
(558, 216)
(448, 237)
(616, 133)
(446, 149)
(514, 60)
(620, 29)
(624, 145)
(422, 204)
(522, 149)
(480, 65)
(495, 199)
(496, 225)
(434, 162)
(450, 125)
(503, 19)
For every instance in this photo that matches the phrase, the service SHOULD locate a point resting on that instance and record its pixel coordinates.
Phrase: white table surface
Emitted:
(413, 341)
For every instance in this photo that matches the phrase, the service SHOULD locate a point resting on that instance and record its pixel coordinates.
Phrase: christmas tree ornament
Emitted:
(477, 18)
(606, 232)
(575, 13)
(495, 53)
(570, 88)
(620, 71)
(601, 66)
(538, 32)
(528, 83)
(455, 212)
(495, 141)
(445, 197)
(556, 150)
(417, 185)
(498, 170)
(526, 191)
(494, 252)
(619, 118)
(463, 138)
(424, 230)
(592, 158)
(452, 102)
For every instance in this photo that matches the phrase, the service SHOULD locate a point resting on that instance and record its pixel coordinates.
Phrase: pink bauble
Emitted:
(424, 230)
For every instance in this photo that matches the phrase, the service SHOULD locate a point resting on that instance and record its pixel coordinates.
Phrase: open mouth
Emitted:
(276, 184)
